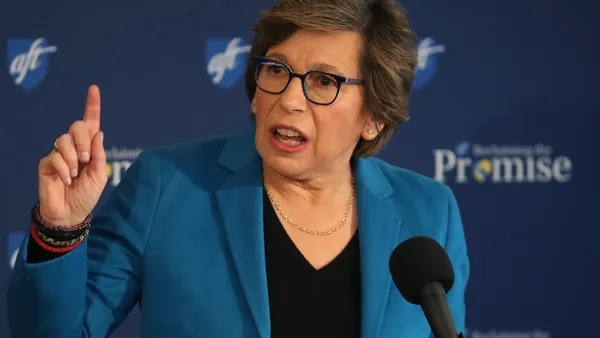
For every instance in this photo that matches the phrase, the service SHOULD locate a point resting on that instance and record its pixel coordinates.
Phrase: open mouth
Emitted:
(290, 137)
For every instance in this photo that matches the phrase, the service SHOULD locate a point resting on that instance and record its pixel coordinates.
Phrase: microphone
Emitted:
(423, 274)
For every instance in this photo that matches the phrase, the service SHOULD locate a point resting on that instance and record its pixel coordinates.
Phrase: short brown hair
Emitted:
(388, 58)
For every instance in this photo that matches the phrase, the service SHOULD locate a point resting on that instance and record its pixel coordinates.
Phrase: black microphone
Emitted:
(423, 274)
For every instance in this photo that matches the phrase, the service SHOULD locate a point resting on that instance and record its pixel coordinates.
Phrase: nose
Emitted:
(292, 99)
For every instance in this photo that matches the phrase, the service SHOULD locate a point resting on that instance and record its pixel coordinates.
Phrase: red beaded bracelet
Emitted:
(50, 248)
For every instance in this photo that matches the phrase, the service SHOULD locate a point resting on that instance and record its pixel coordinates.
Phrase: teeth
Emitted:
(290, 142)
(288, 132)
(287, 141)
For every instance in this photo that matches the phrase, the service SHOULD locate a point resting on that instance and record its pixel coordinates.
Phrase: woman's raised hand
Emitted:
(73, 176)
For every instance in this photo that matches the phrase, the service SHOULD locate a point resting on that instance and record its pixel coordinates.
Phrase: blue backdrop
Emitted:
(504, 110)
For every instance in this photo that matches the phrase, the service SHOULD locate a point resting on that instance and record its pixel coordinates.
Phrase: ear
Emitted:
(371, 129)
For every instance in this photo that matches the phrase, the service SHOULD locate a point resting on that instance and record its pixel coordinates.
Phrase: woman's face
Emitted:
(299, 138)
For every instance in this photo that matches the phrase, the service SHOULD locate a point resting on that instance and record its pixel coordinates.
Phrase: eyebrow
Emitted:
(320, 66)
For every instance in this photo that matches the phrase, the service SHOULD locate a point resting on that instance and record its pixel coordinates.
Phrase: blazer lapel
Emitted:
(379, 227)
(240, 203)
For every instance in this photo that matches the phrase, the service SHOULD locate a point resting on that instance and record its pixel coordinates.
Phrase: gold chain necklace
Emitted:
(303, 229)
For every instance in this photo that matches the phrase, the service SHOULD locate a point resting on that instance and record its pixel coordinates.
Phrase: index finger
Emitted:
(91, 117)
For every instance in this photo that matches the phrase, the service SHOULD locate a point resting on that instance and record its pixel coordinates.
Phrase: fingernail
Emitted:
(74, 172)
(102, 138)
(68, 181)
(85, 156)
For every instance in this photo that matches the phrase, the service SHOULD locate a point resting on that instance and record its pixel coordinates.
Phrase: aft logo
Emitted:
(28, 61)
(14, 240)
(118, 161)
(226, 60)
(501, 164)
(427, 62)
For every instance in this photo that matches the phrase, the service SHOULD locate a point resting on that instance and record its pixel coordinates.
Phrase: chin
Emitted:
(284, 165)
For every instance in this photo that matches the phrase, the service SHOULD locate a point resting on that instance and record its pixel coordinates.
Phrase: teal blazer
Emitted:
(182, 236)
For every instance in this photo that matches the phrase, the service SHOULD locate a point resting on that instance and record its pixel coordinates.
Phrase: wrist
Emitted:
(57, 238)
(66, 224)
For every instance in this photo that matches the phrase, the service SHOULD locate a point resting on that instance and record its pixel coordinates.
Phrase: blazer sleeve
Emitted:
(90, 290)
(456, 248)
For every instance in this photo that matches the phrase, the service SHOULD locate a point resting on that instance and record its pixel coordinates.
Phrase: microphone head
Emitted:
(419, 261)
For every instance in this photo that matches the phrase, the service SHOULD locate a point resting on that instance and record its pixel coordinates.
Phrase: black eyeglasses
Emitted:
(319, 87)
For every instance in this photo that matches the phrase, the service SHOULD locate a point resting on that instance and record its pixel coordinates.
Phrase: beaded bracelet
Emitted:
(61, 243)
(56, 238)
(51, 248)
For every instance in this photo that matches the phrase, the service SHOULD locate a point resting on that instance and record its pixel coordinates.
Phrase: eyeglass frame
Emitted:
(340, 79)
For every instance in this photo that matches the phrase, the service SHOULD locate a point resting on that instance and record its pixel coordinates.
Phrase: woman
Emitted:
(283, 230)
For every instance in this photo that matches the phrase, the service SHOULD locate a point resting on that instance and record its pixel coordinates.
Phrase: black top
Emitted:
(304, 302)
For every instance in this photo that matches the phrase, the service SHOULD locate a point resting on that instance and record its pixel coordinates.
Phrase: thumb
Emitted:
(97, 164)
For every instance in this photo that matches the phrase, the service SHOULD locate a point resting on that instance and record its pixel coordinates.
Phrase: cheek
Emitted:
(334, 135)
(340, 125)
(264, 105)
(262, 113)
(264, 100)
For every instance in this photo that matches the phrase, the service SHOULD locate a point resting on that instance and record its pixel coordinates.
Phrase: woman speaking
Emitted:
(282, 230)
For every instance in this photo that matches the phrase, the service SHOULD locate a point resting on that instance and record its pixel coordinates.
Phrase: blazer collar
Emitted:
(240, 201)
(241, 206)
(379, 225)
(239, 150)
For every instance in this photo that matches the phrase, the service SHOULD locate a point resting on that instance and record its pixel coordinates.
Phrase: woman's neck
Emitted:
(321, 189)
